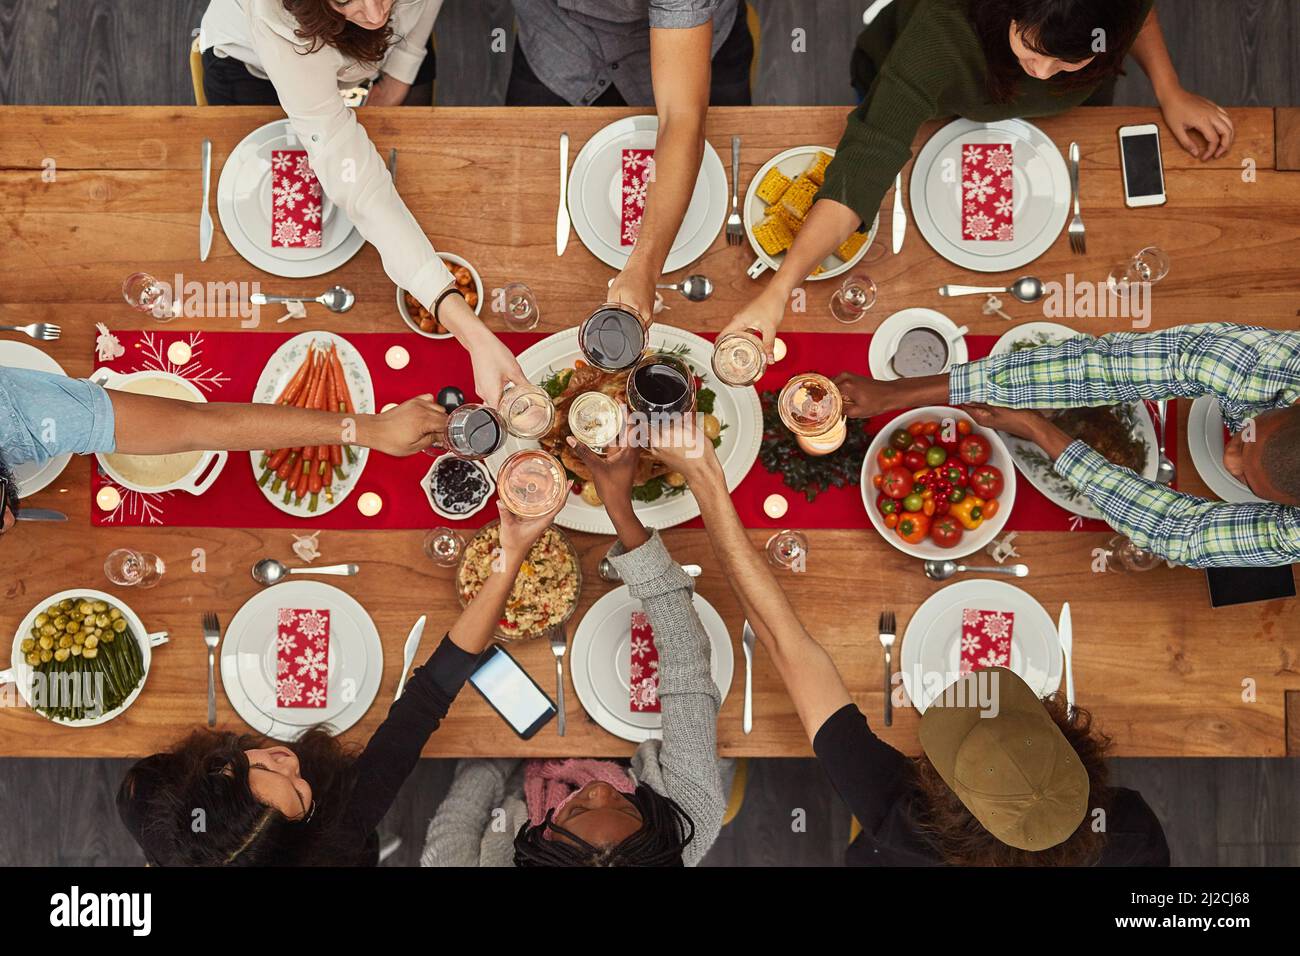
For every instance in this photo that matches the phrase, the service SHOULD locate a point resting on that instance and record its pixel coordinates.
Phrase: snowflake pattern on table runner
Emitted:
(985, 639)
(987, 192)
(638, 171)
(296, 206)
(643, 668)
(302, 651)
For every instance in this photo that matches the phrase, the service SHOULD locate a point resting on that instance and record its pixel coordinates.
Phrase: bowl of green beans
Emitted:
(80, 657)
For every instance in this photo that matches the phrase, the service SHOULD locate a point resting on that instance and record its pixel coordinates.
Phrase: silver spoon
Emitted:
(1026, 289)
(337, 299)
(270, 571)
(694, 288)
(1165, 470)
(943, 570)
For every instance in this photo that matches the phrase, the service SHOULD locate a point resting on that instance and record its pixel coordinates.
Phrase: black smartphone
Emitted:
(1230, 586)
(511, 692)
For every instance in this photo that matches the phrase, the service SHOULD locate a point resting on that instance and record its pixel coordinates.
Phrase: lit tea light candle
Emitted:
(179, 353)
(108, 498)
(778, 350)
(370, 504)
(775, 506)
(397, 358)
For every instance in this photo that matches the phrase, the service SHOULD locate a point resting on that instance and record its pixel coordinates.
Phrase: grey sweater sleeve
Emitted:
(456, 831)
(682, 766)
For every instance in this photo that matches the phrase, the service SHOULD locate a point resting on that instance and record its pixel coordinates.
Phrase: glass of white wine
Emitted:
(739, 359)
(526, 410)
(531, 483)
(596, 420)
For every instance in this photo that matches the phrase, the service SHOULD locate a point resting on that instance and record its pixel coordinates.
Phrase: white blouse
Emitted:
(260, 33)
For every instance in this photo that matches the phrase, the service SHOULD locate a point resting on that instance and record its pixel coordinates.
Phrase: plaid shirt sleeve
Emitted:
(1179, 527)
(1248, 369)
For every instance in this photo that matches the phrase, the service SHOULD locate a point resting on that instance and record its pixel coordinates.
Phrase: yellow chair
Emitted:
(196, 72)
(854, 829)
(737, 798)
(756, 34)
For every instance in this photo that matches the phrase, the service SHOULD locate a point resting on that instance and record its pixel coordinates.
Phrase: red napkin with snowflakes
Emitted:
(985, 639)
(302, 657)
(638, 168)
(295, 201)
(643, 669)
(987, 192)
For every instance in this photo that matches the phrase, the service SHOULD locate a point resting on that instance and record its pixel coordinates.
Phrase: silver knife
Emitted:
(747, 644)
(205, 217)
(392, 164)
(900, 217)
(41, 514)
(562, 216)
(1065, 632)
(408, 655)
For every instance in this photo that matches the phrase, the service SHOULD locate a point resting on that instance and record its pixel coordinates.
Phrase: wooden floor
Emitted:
(107, 52)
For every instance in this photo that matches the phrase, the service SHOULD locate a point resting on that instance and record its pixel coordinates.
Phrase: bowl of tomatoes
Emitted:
(936, 485)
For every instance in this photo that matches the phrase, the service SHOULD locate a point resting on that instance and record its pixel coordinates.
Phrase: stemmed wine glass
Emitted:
(853, 298)
(531, 483)
(526, 410)
(1150, 265)
(443, 546)
(127, 568)
(144, 293)
(788, 549)
(522, 313)
(739, 359)
(475, 431)
(613, 337)
(661, 384)
(596, 420)
(812, 407)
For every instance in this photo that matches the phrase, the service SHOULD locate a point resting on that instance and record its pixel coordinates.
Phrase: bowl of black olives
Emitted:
(457, 488)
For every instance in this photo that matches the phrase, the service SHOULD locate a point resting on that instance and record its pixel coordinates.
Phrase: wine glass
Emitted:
(443, 546)
(128, 568)
(812, 407)
(788, 549)
(144, 293)
(613, 337)
(853, 298)
(1121, 550)
(1150, 265)
(739, 359)
(596, 420)
(475, 431)
(531, 483)
(522, 313)
(526, 410)
(661, 384)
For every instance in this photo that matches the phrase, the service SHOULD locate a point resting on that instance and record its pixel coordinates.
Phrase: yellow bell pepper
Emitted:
(969, 511)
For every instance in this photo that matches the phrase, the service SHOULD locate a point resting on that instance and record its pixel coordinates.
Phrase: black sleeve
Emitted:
(392, 752)
(869, 775)
(1134, 836)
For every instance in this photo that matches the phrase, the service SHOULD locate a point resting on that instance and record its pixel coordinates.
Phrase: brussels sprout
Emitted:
(46, 642)
(75, 649)
(27, 645)
(42, 620)
(61, 654)
(100, 607)
(90, 653)
(91, 642)
(115, 614)
(65, 641)
(34, 658)
(119, 626)
(46, 656)
(101, 620)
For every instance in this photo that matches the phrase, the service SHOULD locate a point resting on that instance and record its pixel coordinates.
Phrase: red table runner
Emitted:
(225, 367)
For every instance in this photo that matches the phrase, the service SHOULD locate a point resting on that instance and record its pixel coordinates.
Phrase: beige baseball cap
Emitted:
(995, 744)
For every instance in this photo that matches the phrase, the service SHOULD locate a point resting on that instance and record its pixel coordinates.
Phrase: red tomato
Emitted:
(986, 481)
(888, 457)
(946, 532)
(897, 482)
(974, 450)
(914, 460)
(916, 427)
(920, 443)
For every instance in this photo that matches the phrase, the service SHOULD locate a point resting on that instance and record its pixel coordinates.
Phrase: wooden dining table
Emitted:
(90, 195)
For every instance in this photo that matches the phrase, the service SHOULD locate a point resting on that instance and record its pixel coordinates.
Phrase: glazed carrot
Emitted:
(345, 396)
(295, 384)
(278, 459)
(301, 488)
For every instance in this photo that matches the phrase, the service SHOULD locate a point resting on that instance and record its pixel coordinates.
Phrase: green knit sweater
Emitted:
(927, 63)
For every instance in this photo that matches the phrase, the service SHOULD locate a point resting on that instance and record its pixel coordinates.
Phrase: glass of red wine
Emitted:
(475, 431)
(661, 384)
(613, 337)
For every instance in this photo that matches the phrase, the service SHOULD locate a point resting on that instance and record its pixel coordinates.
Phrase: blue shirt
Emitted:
(43, 415)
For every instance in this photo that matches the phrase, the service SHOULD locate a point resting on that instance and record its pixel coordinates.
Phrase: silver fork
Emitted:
(735, 225)
(1078, 241)
(559, 644)
(41, 331)
(211, 637)
(887, 632)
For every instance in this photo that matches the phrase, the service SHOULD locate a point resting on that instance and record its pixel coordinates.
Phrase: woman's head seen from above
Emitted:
(1068, 42)
(359, 29)
(599, 826)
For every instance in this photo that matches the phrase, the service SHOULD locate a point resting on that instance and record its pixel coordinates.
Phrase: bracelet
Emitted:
(438, 301)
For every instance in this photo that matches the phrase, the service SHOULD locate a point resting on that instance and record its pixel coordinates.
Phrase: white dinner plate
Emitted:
(1032, 462)
(889, 331)
(736, 408)
(279, 370)
(792, 162)
(600, 658)
(31, 476)
(239, 193)
(931, 655)
(596, 188)
(248, 660)
(1206, 442)
(1041, 194)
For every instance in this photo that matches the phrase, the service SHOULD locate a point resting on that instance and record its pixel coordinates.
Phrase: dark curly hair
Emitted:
(665, 832)
(962, 840)
(1063, 29)
(193, 806)
(321, 23)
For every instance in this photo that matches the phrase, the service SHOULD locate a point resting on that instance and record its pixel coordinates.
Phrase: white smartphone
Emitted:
(1144, 173)
(511, 692)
